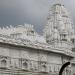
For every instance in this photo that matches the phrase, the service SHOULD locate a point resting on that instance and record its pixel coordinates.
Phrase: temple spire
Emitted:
(58, 1)
(59, 26)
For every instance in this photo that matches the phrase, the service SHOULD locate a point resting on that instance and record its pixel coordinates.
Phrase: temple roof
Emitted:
(23, 35)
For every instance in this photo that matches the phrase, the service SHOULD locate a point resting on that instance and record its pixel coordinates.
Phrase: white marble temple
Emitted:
(24, 52)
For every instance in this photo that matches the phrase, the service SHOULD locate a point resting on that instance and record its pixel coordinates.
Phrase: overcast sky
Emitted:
(14, 12)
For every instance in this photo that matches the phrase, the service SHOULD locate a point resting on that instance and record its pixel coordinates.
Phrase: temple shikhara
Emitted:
(24, 52)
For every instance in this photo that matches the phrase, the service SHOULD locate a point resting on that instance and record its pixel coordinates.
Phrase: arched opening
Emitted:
(3, 63)
(44, 68)
(25, 65)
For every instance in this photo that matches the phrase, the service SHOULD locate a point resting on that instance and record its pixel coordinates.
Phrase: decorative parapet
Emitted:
(33, 41)
(37, 45)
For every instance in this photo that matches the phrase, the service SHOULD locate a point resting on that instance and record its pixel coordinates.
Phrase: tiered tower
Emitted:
(59, 28)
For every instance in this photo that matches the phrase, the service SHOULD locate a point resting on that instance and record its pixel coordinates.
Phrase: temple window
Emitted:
(3, 63)
(72, 41)
(25, 64)
(43, 67)
(63, 37)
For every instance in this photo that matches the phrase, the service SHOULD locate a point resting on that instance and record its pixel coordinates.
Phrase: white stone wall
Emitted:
(31, 59)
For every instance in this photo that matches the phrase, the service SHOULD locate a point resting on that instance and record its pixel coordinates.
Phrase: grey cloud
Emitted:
(29, 11)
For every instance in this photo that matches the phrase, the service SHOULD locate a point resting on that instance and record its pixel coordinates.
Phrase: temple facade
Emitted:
(24, 52)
